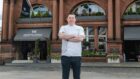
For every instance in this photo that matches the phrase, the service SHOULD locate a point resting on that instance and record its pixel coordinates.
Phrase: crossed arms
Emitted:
(71, 38)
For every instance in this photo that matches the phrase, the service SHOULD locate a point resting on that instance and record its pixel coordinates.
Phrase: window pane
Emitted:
(133, 9)
(88, 9)
(41, 11)
(89, 31)
(102, 36)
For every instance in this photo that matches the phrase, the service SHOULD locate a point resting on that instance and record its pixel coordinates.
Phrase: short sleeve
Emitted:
(61, 30)
(82, 31)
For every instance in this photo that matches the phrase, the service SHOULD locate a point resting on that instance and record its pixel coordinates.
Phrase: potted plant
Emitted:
(29, 56)
(138, 58)
(92, 16)
(55, 58)
(36, 54)
(113, 56)
(131, 15)
(93, 56)
(48, 50)
(86, 45)
(36, 17)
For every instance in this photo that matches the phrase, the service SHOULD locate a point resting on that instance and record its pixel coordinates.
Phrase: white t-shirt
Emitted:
(71, 48)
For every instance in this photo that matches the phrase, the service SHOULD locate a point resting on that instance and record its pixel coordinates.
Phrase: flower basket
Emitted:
(55, 58)
(114, 56)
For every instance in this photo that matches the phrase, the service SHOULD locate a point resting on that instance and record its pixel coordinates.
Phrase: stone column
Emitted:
(61, 13)
(11, 20)
(117, 20)
(110, 19)
(54, 27)
(5, 20)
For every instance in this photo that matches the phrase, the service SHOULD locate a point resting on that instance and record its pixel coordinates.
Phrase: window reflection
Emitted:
(102, 36)
(133, 9)
(41, 11)
(36, 11)
(88, 9)
(89, 40)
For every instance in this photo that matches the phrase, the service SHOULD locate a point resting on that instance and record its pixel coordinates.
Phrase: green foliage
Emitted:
(138, 10)
(85, 6)
(48, 47)
(21, 16)
(84, 13)
(56, 56)
(114, 54)
(91, 53)
(36, 49)
(99, 14)
(33, 15)
(130, 12)
(39, 14)
(93, 14)
(86, 43)
(46, 14)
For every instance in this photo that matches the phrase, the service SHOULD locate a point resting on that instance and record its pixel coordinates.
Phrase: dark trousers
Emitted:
(71, 62)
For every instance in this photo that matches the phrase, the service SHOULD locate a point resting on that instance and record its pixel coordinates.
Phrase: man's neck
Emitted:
(71, 24)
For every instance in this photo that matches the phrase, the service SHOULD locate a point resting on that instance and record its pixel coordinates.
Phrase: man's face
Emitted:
(71, 19)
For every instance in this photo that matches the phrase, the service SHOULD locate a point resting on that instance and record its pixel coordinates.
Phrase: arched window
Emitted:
(88, 9)
(133, 8)
(41, 11)
(36, 11)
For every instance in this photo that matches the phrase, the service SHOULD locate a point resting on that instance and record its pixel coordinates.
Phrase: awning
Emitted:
(132, 33)
(33, 34)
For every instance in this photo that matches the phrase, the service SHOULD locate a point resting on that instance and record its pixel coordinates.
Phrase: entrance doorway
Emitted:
(28, 47)
(132, 42)
(132, 50)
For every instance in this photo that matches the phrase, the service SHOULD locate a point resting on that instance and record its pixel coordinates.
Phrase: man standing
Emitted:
(72, 35)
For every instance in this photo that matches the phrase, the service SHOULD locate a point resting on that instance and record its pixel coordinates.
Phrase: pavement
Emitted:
(113, 65)
(93, 64)
(128, 70)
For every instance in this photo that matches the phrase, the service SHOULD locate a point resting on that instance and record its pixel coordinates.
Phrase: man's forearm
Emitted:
(77, 39)
(66, 36)
(74, 40)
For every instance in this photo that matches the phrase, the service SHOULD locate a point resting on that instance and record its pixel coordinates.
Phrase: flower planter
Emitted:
(55, 61)
(48, 59)
(36, 60)
(94, 59)
(91, 18)
(34, 20)
(138, 58)
(110, 60)
(131, 17)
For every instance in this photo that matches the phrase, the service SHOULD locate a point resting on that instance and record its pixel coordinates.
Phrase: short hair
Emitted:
(72, 14)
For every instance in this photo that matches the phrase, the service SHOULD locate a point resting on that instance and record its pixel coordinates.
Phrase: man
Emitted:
(72, 35)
